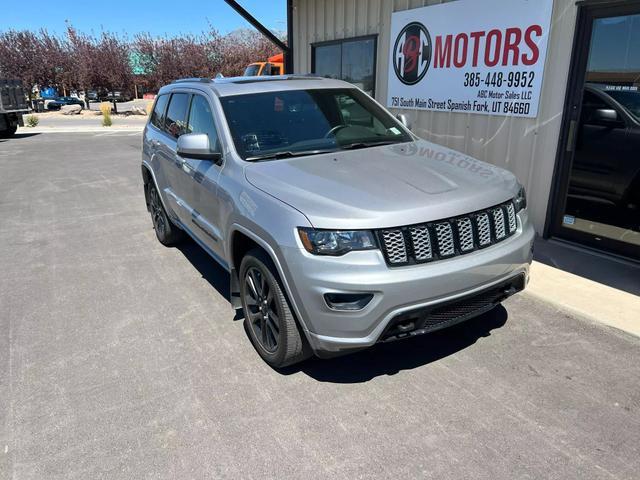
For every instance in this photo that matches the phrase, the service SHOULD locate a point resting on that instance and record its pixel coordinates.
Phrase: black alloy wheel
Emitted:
(269, 320)
(167, 232)
(262, 309)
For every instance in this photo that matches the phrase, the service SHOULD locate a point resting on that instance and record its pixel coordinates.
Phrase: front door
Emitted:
(598, 199)
(198, 179)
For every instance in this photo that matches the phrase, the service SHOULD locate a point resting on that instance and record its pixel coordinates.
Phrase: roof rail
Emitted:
(194, 79)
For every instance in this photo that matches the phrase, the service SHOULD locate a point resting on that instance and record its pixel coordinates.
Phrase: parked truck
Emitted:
(13, 105)
(273, 66)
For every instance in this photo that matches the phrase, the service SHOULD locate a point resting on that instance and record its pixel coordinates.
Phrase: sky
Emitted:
(158, 17)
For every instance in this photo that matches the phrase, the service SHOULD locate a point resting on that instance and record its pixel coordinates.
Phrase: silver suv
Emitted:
(339, 227)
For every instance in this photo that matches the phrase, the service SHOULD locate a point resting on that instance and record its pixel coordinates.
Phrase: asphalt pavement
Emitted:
(122, 359)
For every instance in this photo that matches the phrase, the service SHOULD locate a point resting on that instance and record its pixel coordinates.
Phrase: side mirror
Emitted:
(605, 117)
(404, 120)
(196, 145)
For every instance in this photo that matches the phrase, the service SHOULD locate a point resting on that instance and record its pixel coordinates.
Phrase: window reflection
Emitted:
(350, 60)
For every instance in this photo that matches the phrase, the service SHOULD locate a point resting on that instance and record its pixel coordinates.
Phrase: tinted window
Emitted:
(307, 120)
(357, 64)
(157, 116)
(252, 70)
(175, 123)
(201, 120)
(327, 60)
(590, 103)
(350, 60)
(630, 99)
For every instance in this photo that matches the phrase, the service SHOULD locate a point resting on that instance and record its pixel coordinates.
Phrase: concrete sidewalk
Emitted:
(57, 123)
(585, 298)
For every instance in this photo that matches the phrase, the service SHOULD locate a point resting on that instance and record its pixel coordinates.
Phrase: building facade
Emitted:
(578, 156)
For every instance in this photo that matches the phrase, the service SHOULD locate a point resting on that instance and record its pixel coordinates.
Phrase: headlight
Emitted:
(520, 200)
(336, 242)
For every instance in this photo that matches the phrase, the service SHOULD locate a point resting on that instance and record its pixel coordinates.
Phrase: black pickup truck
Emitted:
(13, 104)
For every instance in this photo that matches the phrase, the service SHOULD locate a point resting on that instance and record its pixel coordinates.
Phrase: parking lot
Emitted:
(120, 358)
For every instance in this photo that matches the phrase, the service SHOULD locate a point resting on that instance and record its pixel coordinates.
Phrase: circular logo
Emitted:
(412, 53)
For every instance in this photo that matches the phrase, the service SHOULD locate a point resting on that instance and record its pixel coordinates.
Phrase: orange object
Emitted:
(273, 66)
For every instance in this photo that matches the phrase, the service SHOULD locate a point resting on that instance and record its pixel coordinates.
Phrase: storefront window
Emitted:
(351, 60)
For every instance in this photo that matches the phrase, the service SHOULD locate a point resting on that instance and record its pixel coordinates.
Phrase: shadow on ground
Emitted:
(391, 358)
(18, 136)
(382, 359)
(213, 273)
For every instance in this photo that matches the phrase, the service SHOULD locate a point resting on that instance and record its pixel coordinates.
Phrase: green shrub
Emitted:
(32, 121)
(105, 108)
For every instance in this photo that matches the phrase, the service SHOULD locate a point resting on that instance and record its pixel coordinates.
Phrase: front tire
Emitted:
(167, 232)
(269, 321)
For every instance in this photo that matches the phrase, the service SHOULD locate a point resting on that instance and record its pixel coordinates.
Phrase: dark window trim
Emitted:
(164, 111)
(341, 41)
(213, 117)
(587, 12)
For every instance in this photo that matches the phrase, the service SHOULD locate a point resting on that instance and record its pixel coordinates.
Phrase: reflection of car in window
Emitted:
(606, 168)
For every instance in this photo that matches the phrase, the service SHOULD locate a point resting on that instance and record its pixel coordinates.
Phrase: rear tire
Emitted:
(269, 321)
(9, 132)
(167, 232)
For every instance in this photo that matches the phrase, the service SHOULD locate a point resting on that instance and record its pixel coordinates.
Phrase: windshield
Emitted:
(252, 70)
(629, 99)
(306, 122)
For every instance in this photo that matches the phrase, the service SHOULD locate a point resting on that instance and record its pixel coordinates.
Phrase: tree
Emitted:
(82, 58)
(20, 57)
(242, 47)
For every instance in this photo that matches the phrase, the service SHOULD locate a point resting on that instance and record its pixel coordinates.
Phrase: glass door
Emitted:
(599, 197)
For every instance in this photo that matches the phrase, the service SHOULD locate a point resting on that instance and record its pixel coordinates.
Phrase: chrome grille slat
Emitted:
(444, 236)
(465, 234)
(511, 214)
(395, 246)
(484, 230)
(421, 240)
(448, 237)
(498, 223)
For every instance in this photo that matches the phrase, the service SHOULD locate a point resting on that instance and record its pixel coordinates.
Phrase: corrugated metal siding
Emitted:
(525, 146)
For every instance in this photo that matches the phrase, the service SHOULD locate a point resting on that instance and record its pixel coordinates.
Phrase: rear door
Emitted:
(174, 126)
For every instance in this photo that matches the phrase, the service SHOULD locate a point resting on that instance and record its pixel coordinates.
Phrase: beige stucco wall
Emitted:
(525, 146)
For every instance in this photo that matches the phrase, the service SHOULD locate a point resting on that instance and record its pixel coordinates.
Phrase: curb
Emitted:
(97, 129)
(585, 298)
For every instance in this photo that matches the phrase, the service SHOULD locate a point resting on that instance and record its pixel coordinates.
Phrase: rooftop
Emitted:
(227, 86)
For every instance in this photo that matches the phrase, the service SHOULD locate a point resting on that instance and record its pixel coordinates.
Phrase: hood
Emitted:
(385, 186)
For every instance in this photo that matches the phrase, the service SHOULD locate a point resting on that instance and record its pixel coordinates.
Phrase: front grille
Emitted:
(449, 237)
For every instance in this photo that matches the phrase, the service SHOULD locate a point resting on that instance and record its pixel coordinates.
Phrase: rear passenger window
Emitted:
(176, 121)
(201, 120)
(157, 116)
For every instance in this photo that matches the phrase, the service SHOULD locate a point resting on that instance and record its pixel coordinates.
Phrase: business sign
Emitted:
(474, 56)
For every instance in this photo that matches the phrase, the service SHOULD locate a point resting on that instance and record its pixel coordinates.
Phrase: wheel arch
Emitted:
(242, 240)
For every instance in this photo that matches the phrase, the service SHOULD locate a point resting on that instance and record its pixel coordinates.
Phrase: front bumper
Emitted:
(395, 290)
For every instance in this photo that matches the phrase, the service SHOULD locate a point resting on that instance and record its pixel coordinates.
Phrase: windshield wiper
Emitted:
(358, 145)
(286, 154)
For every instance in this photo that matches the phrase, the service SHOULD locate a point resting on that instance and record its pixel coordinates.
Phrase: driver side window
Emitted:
(201, 121)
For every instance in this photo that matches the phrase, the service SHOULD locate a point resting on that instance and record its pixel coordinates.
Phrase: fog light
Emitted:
(347, 301)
